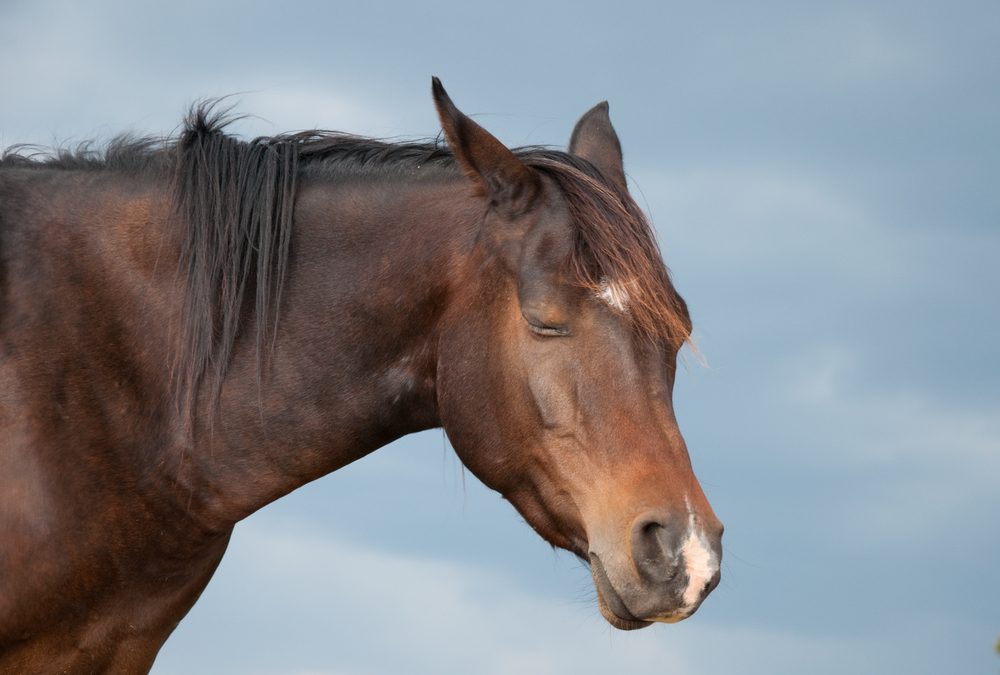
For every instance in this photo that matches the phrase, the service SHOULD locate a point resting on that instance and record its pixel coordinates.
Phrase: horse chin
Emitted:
(612, 606)
(617, 621)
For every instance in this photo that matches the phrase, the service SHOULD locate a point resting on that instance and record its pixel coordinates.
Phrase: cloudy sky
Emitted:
(823, 179)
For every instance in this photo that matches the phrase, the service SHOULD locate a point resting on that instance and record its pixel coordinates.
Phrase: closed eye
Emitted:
(548, 331)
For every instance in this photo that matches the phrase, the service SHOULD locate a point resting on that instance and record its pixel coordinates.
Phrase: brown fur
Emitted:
(320, 295)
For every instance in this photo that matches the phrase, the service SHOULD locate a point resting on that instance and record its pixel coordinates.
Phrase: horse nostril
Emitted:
(655, 547)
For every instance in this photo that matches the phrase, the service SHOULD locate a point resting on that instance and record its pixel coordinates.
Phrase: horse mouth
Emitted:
(612, 606)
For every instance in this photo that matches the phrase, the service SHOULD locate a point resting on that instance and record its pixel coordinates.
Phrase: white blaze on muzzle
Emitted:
(700, 562)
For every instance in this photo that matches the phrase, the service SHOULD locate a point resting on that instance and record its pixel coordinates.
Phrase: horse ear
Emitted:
(595, 140)
(504, 178)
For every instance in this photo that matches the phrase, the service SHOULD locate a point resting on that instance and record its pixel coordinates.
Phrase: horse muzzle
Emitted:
(670, 567)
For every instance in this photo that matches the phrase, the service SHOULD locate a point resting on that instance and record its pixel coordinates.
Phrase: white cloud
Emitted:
(290, 600)
(886, 425)
(932, 462)
(308, 106)
(750, 222)
(874, 52)
(369, 611)
(89, 56)
(768, 252)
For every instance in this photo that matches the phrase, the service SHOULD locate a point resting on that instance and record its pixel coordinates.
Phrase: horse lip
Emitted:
(609, 602)
(673, 617)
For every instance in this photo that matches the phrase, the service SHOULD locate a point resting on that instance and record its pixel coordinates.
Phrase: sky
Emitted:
(823, 182)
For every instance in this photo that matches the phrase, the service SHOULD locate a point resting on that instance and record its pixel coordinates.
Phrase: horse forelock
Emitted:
(616, 255)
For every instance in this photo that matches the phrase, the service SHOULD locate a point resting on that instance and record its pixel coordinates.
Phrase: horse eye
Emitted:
(548, 331)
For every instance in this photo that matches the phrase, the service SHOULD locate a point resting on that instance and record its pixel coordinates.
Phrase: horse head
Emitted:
(556, 369)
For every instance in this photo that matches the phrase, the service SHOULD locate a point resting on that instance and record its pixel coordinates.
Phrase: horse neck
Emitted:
(374, 263)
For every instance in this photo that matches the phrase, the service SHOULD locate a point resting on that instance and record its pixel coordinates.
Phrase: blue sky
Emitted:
(823, 179)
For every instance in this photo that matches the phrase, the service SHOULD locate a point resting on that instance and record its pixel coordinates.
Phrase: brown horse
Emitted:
(150, 397)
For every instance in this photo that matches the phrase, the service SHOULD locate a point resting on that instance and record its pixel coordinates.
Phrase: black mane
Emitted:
(236, 199)
(320, 152)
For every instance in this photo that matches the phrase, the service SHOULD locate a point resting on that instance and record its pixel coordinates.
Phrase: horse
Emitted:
(193, 326)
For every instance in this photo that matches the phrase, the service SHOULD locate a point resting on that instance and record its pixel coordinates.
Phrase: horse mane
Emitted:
(236, 199)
